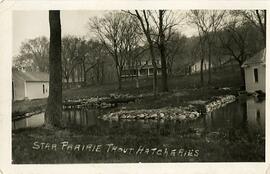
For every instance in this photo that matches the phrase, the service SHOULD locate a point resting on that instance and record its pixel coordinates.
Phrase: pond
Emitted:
(247, 115)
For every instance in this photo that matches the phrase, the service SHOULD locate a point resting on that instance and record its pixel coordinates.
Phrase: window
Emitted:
(43, 88)
(255, 75)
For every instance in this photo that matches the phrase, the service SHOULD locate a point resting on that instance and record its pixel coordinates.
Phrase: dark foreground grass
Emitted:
(185, 147)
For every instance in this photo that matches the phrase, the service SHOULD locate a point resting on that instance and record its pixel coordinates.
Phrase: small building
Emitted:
(255, 72)
(29, 85)
(196, 67)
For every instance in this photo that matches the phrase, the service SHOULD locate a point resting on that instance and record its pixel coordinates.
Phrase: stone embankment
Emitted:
(98, 102)
(180, 113)
(219, 102)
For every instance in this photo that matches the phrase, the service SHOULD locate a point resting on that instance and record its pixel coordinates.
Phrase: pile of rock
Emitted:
(173, 113)
(120, 96)
(98, 102)
(218, 102)
(179, 113)
(84, 102)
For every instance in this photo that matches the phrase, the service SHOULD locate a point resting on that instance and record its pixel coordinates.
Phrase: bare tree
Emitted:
(34, 55)
(69, 57)
(157, 26)
(162, 27)
(54, 105)
(237, 39)
(87, 55)
(175, 48)
(99, 54)
(256, 18)
(144, 17)
(117, 32)
(208, 23)
(202, 51)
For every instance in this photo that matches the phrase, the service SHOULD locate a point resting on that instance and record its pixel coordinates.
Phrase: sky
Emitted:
(32, 24)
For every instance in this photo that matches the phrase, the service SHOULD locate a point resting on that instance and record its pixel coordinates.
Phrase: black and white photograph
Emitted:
(139, 86)
(128, 86)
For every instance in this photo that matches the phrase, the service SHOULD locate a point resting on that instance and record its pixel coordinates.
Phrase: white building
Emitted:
(255, 72)
(196, 67)
(29, 85)
(143, 68)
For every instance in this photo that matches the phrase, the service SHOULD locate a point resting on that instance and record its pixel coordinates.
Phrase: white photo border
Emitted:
(6, 166)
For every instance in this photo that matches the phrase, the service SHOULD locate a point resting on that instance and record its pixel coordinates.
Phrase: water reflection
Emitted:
(247, 115)
(85, 118)
(256, 115)
(29, 122)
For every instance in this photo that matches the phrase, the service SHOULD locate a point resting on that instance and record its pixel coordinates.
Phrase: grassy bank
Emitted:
(22, 107)
(176, 83)
(184, 145)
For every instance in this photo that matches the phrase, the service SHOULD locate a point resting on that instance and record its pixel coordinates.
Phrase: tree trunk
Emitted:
(242, 70)
(84, 77)
(137, 80)
(102, 73)
(84, 71)
(146, 29)
(54, 106)
(209, 64)
(77, 74)
(98, 72)
(169, 67)
(162, 53)
(67, 82)
(164, 71)
(155, 81)
(81, 74)
(119, 81)
(154, 70)
(202, 82)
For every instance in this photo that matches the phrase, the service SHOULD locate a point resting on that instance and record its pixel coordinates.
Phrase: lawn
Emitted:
(175, 83)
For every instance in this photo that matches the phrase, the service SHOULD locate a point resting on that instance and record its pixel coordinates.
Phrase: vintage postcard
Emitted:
(134, 87)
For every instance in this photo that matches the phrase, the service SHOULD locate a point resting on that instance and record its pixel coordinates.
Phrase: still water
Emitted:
(247, 115)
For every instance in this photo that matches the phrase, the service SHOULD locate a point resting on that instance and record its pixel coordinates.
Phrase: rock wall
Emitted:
(218, 102)
(177, 113)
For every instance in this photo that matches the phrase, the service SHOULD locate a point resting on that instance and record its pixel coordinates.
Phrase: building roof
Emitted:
(258, 58)
(30, 76)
